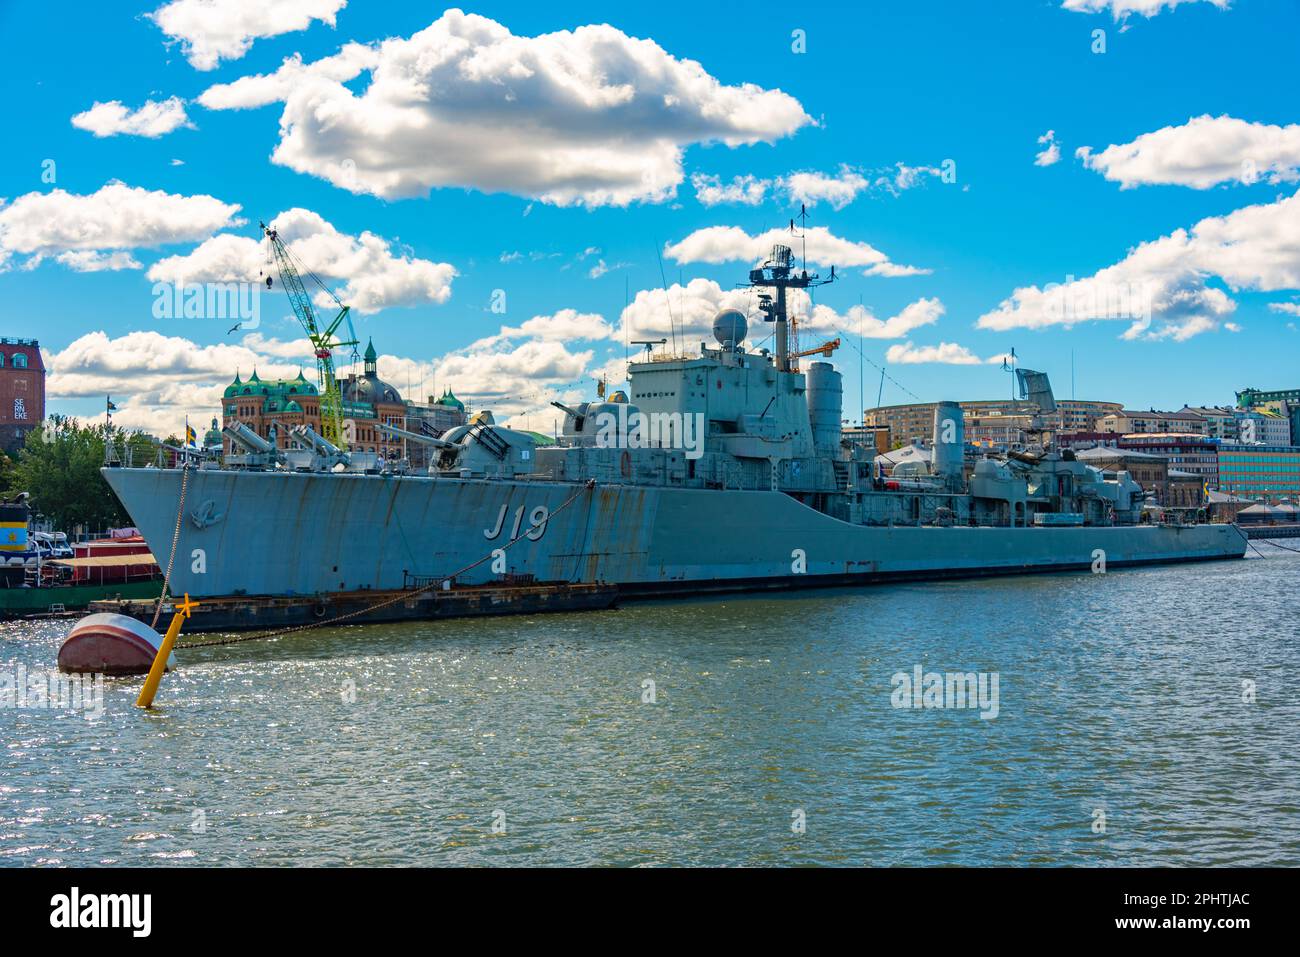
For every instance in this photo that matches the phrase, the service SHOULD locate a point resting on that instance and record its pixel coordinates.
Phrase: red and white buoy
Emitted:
(112, 645)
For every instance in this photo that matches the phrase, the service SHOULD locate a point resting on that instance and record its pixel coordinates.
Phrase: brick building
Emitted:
(1153, 421)
(22, 391)
(993, 422)
(1193, 453)
(259, 403)
(367, 401)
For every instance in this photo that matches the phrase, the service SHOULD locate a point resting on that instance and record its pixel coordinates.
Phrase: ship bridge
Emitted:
(734, 392)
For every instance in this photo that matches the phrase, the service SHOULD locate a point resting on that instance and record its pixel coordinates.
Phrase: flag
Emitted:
(112, 407)
(191, 437)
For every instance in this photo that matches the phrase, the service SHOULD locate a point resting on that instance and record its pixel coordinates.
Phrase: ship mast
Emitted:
(778, 273)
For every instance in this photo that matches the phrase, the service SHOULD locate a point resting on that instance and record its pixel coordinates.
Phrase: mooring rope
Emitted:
(176, 535)
(403, 596)
(1266, 541)
(1269, 541)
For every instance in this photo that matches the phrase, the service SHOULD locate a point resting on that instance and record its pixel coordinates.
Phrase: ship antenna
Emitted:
(663, 280)
(803, 217)
(862, 385)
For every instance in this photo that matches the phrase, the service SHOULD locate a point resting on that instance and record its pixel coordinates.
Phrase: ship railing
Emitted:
(665, 357)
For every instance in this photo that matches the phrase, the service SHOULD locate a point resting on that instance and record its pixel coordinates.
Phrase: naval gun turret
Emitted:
(257, 452)
(483, 448)
(315, 452)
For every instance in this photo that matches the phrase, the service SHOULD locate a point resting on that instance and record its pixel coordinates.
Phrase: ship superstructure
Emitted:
(723, 470)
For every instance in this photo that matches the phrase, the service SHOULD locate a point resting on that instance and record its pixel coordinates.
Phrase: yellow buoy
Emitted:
(151, 683)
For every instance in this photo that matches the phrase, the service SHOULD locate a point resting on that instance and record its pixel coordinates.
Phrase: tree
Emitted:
(59, 467)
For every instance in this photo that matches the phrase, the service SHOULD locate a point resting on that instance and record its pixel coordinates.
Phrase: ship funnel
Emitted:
(825, 406)
(949, 444)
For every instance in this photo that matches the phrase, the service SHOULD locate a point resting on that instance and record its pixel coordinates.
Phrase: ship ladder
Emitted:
(492, 442)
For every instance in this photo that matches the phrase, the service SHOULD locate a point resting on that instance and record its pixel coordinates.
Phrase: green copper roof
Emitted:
(371, 355)
(451, 400)
(270, 387)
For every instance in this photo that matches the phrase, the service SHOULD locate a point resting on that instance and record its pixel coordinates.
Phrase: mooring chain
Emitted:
(176, 536)
(1269, 541)
(404, 596)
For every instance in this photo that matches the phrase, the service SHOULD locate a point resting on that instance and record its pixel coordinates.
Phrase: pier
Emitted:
(246, 612)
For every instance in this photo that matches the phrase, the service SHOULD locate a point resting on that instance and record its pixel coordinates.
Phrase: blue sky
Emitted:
(959, 86)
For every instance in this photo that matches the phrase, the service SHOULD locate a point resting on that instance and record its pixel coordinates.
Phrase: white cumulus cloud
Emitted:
(1051, 152)
(721, 244)
(155, 380)
(838, 190)
(686, 313)
(923, 312)
(92, 260)
(214, 30)
(1203, 152)
(745, 190)
(1121, 9)
(250, 92)
(115, 217)
(588, 117)
(373, 276)
(1162, 288)
(562, 326)
(152, 120)
(947, 353)
(810, 187)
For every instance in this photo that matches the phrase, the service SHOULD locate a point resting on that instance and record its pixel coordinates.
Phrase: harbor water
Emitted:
(1141, 717)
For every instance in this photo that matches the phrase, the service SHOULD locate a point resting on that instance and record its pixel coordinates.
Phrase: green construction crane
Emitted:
(323, 342)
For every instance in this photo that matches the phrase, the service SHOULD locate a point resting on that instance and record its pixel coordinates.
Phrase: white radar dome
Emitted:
(729, 326)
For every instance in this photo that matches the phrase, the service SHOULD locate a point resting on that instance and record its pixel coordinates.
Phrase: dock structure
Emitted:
(245, 612)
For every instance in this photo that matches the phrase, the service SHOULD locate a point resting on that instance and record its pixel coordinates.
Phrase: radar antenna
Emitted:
(777, 273)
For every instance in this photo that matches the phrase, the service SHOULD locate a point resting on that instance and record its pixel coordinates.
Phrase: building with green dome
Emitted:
(368, 401)
(258, 403)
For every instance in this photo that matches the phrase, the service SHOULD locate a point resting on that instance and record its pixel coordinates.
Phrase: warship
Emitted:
(723, 471)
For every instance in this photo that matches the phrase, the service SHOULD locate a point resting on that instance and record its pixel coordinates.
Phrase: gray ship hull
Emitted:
(285, 533)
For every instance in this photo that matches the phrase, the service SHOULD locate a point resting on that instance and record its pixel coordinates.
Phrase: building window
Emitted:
(20, 361)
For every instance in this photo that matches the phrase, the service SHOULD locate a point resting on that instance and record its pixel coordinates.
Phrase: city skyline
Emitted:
(486, 189)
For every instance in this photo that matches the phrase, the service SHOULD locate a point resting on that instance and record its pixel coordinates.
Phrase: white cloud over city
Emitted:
(589, 116)
(372, 275)
(1171, 287)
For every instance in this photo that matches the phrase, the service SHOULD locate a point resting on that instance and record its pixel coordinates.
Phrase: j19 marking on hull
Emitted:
(537, 520)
